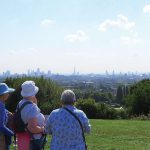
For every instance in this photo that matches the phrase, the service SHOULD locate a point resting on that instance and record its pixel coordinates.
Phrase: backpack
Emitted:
(18, 124)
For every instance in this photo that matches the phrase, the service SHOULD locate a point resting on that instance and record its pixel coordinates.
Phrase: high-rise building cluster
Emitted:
(36, 73)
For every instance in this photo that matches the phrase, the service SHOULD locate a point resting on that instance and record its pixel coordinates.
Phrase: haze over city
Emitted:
(92, 36)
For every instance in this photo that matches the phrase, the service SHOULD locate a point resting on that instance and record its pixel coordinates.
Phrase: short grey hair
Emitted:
(68, 96)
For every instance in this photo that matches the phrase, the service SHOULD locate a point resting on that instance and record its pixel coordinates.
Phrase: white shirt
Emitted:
(32, 111)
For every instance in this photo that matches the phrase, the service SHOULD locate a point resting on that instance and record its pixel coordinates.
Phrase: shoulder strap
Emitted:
(78, 121)
(23, 105)
(20, 109)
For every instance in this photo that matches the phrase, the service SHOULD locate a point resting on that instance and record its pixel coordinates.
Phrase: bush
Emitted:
(49, 91)
(47, 108)
(138, 101)
(95, 110)
(121, 113)
(88, 106)
(105, 111)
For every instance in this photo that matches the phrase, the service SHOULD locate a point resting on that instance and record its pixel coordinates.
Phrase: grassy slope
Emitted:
(118, 135)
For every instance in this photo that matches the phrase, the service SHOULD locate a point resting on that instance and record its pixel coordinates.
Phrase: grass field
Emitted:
(117, 135)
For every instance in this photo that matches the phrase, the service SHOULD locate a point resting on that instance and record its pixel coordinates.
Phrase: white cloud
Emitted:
(146, 8)
(121, 22)
(79, 36)
(128, 40)
(47, 23)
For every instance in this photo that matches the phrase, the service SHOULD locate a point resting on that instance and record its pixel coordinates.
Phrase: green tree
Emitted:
(138, 101)
(119, 95)
(49, 91)
(88, 106)
(127, 90)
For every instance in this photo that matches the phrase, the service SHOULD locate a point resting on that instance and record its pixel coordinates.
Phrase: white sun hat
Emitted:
(29, 89)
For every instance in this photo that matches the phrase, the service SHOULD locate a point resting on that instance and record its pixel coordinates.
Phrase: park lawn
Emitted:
(117, 135)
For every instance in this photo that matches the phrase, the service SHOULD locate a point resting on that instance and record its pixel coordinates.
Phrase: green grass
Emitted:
(117, 135)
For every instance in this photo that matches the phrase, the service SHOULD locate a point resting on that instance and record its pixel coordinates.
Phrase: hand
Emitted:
(42, 129)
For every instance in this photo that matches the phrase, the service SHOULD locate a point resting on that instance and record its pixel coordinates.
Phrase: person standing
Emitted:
(5, 132)
(67, 132)
(31, 116)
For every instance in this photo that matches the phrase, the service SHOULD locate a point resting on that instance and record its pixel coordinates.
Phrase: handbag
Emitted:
(79, 124)
(37, 144)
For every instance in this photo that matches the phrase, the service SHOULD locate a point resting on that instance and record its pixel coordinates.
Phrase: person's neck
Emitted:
(27, 98)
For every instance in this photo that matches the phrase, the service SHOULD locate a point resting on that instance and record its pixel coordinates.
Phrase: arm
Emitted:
(86, 124)
(33, 126)
(3, 128)
(32, 120)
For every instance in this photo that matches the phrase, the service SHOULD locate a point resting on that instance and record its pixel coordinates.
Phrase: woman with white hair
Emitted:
(31, 138)
(67, 125)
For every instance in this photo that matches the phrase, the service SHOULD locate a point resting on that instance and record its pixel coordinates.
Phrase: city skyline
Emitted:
(38, 72)
(91, 36)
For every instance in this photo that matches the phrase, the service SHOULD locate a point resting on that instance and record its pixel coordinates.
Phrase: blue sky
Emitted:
(91, 35)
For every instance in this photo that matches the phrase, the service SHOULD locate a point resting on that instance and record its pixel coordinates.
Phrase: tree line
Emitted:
(134, 100)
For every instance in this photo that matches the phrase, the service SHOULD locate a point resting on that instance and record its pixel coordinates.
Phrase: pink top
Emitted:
(23, 140)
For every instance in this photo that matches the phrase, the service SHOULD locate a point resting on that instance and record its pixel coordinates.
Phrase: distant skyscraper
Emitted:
(106, 72)
(49, 73)
(28, 72)
(74, 71)
(38, 72)
(113, 73)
